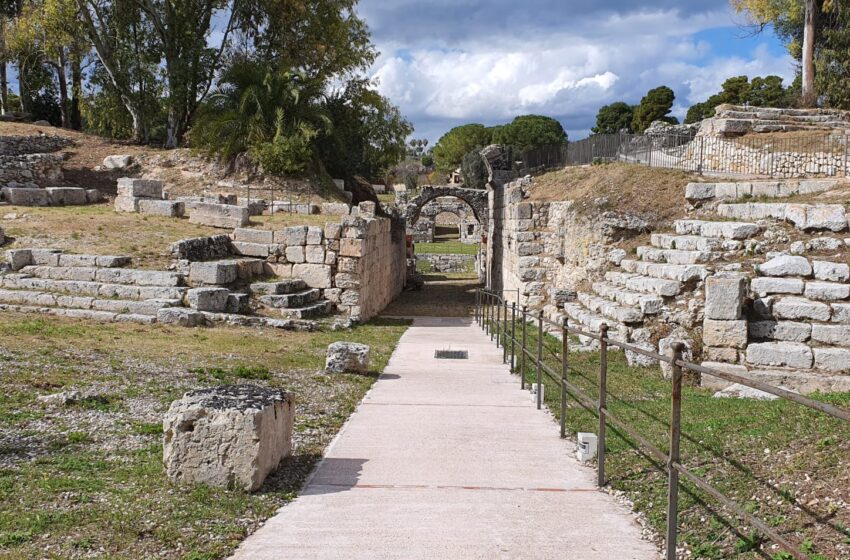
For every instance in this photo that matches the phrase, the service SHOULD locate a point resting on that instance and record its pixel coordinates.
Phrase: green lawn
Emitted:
(447, 247)
(784, 463)
(87, 480)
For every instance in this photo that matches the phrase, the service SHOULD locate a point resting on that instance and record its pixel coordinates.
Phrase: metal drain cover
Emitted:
(451, 354)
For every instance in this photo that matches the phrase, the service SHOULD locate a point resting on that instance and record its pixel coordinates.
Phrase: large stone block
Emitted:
(832, 359)
(724, 296)
(766, 285)
(731, 334)
(779, 354)
(834, 272)
(786, 265)
(296, 235)
(347, 357)
(314, 275)
(143, 188)
(795, 308)
(126, 204)
(790, 331)
(228, 436)
(827, 291)
(25, 196)
(219, 215)
(832, 334)
(817, 217)
(180, 316)
(19, 258)
(208, 299)
(66, 196)
(213, 273)
(250, 235)
(166, 208)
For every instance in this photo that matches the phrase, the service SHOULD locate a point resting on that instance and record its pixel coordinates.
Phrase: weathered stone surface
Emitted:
(832, 334)
(126, 204)
(25, 196)
(227, 436)
(827, 291)
(60, 399)
(278, 288)
(315, 235)
(202, 248)
(315, 254)
(789, 354)
(296, 235)
(718, 383)
(208, 299)
(786, 265)
(724, 296)
(66, 196)
(790, 331)
(314, 275)
(336, 208)
(117, 162)
(732, 334)
(347, 357)
(841, 313)
(144, 188)
(834, 272)
(213, 273)
(766, 285)
(180, 316)
(816, 217)
(726, 230)
(832, 359)
(250, 235)
(698, 192)
(738, 391)
(795, 308)
(166, 208)
(219, 215)
(19, 258)
(665, 348)
(259, 250)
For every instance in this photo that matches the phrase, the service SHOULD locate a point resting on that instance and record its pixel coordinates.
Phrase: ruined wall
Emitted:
(448, 263)
(22, 145)
(41, 170)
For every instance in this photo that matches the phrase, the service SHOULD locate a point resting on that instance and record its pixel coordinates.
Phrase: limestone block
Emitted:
(698, 192)
(259, 250)
(229, 436)
(126, 204)
(219, 215)
(795, 308)
(724, 296)
(144, 188)
(208, 299)
(25, 196)
(351, 247)
(296, 235)
(832, 334)
(367, 208)
(112, 261)
(213, 273)
(832, 359)
(250, 235)
(315, 235)
(347, 357)
(714, 354)
(330, 257)
(180, 316)
(295, 254)
(350, 297)
(835, 272)
(336, 208)
(314, 275)
(731, 334)
(19, 258)
(332, 231)
(788, 354)
(841, 313)
(766, 285)
(66, 196)
(316, 254)
(827, 291)
(816, 217)
(781, 330)
(117, 162)
(728, 230)
(665, 346)
(93, 196)
(786, 265)
(166, 208)
(718, 383)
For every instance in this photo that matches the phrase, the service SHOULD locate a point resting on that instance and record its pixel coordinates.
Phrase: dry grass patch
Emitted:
(654, 194)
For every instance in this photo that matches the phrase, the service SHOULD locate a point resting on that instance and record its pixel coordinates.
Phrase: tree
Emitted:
(473, 170)
(739, 90)
(654, 106)
(527, 132)
(614, 118)
(453, 145)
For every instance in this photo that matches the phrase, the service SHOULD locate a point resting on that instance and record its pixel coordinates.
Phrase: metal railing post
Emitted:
(539, 359)
(523, 349)
(565, 337)
(498, 307)
(487, 313)
(673, 460)
(603, 404)
(505, 333)
(513, 336)
(477, 301)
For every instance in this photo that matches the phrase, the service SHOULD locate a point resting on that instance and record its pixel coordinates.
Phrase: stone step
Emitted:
(726, 230)
(313, 310)
(693, 243)
(91, 315)
(678, 272)
(675, 256)
(86, 303)
(19, 258)
(645, 284)
(290, 301)
(592, 322)
(805, 217)
(615, 312)
(278, 288)
(648, 304)
(107, 275)
(95, 289)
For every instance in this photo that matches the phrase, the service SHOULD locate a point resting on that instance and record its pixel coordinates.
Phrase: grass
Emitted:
(784, 463)
(447, 248)
(87, 479)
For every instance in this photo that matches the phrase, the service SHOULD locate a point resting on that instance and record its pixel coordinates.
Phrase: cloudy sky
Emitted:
(449, 62)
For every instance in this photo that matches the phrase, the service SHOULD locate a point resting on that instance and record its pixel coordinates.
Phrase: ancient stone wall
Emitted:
(22, 145)
(452, 263)
(31, 170)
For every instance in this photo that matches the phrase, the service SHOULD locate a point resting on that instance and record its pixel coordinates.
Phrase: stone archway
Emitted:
(476, 199)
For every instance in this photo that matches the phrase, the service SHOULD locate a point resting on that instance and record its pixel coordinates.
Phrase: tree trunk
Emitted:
(63, 90)
(23, 85)
(808, 62)
(4, 80)
(76, 91)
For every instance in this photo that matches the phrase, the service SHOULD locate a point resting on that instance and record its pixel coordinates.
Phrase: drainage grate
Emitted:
(451, 354)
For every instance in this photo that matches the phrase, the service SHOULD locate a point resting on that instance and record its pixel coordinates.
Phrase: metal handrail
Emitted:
(484, 315)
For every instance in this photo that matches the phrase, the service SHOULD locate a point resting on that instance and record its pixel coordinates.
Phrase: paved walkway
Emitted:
(449, 459)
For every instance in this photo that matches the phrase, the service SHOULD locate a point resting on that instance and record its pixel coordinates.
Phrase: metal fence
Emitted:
(501, 322)
(770, 155)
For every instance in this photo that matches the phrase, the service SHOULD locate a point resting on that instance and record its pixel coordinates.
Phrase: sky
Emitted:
(451, 62)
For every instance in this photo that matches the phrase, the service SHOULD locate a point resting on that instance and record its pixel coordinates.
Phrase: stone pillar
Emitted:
(724, 327)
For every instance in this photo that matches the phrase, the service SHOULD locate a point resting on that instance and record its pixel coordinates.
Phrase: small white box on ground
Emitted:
(586, 448)
(533, 390)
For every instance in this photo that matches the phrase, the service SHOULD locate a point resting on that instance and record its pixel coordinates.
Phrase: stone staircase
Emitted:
(292, 299)
(764, 119)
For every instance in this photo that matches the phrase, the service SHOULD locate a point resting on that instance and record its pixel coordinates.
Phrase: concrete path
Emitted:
(449, 459)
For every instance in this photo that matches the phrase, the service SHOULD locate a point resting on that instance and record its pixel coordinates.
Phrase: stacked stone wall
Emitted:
(22, 145)
(452, 263)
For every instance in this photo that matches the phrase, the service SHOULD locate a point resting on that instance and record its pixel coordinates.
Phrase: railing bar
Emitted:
(657, 453)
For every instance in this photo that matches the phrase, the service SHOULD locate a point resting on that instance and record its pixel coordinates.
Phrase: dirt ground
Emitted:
(442, 296)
